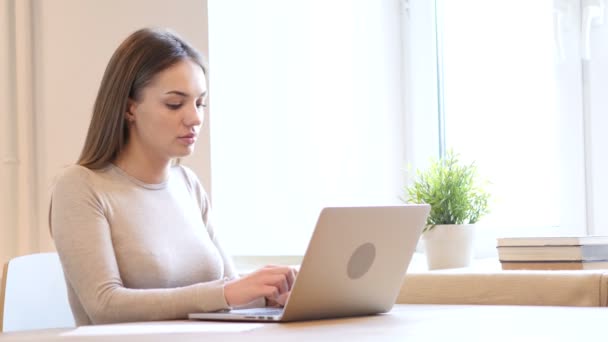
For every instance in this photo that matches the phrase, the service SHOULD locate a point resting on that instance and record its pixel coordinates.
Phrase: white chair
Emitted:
(33, 294)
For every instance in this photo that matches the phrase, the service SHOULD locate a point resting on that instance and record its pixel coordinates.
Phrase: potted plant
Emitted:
(458, 200)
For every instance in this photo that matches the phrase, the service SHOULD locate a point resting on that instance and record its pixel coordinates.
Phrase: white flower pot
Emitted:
(449, 246)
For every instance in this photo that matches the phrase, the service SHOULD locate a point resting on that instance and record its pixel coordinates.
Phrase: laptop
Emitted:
(354, 265)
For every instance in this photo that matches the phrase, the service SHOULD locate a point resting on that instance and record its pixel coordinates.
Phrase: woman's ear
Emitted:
(131, 109)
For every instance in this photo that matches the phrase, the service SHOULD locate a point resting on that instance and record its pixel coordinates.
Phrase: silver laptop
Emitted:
(354, 265)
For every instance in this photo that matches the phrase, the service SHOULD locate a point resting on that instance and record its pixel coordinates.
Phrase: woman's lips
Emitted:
(188, 139)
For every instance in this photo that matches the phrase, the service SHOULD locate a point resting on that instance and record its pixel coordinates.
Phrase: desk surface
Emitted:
(403, 323)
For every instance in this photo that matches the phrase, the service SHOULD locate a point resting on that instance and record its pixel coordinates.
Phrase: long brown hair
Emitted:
(134, 64)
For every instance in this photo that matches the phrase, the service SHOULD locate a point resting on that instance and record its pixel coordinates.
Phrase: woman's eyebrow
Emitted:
(181, 93)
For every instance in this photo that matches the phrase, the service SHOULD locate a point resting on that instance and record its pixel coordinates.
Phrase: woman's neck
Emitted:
(143, 166)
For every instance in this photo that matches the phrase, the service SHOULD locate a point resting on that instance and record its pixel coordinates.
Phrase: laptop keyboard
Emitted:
(259, 311)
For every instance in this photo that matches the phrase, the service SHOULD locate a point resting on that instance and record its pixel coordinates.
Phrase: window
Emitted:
(501, 100)
(518, 92)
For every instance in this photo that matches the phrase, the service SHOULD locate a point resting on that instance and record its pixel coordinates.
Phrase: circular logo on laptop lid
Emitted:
(361, 260)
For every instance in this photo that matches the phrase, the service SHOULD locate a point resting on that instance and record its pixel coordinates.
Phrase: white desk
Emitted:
(404, 323)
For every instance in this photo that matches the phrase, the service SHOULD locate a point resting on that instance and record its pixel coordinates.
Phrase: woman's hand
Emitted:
(272, 282)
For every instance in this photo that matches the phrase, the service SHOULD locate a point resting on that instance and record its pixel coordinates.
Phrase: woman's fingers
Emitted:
(291, 277)
(279, 281)
(270, 292)
(282, 298)
(288, 272)
(272, 282)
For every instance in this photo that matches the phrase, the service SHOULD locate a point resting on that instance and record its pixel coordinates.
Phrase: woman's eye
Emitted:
(201, 105)
(174, 106)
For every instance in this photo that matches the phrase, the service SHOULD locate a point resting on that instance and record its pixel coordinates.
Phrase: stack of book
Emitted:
(553, 253)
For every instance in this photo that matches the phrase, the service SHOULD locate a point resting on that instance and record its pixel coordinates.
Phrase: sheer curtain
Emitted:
(305, 105)
(18, 212)
(595, 71)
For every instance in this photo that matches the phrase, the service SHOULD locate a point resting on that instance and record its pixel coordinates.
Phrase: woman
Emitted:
(131, 226)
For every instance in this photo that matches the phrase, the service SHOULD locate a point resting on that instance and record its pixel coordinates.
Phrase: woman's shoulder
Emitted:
(77, 177)
(188, 175)
(193, 183)
(75, 173)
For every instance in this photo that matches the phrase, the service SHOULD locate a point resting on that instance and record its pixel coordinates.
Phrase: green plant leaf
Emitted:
(452, 189)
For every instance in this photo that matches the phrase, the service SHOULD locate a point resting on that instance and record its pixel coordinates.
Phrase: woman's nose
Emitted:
(194, 116)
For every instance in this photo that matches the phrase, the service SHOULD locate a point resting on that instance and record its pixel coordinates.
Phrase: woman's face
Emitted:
(166, 119)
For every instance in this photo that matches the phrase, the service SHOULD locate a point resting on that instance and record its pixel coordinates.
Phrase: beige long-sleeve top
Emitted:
(133, 251)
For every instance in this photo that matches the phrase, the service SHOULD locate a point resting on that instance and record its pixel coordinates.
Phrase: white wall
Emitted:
(72, 43)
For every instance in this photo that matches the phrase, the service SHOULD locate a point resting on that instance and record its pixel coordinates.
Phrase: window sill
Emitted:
(249, 263)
